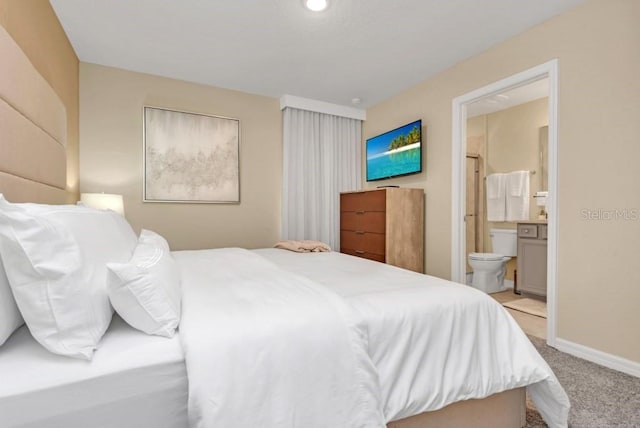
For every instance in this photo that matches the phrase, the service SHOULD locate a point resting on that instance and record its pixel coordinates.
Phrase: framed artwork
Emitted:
(190, 157)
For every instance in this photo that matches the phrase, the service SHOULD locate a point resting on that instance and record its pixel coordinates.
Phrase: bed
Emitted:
(136, 379)
(308, 340)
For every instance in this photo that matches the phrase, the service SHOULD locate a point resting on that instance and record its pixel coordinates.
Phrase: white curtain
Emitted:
(322, 157)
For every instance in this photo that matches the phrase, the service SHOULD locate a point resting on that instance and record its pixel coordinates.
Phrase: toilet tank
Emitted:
(504, 241)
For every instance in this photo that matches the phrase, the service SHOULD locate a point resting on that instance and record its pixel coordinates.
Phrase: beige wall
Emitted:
(476, 135)
(598, 49)
(36, 29)
(111, 104)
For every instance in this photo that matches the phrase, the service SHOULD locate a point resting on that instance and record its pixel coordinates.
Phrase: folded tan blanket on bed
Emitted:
(306, 246)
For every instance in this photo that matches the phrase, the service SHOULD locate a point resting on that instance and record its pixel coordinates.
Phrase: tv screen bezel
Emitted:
(419, 122)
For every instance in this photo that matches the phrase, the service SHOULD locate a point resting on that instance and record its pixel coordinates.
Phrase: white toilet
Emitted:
(489, 268)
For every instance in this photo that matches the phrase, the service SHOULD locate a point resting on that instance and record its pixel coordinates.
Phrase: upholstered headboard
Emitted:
(33, 131)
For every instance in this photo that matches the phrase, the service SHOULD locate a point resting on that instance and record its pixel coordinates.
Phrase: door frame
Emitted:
(458, 191)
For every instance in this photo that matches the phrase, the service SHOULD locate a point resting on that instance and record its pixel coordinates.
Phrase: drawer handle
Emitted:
(359, 212)
(359, 252)
(359, 232)
(525, 230)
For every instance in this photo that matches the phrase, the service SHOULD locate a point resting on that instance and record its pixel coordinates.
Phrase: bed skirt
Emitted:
(502, 410)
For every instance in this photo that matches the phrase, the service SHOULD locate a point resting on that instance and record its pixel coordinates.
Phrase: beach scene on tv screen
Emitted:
(394, 153)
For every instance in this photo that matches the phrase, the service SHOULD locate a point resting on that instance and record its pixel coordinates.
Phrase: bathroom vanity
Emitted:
(532, 258)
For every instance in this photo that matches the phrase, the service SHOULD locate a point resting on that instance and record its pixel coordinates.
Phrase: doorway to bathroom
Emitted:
(506, 141)
(470, 224)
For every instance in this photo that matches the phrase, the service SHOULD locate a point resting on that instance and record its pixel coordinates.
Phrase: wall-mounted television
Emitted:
(395, 153)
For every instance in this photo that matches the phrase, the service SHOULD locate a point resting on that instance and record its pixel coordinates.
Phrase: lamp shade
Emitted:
(103, 201)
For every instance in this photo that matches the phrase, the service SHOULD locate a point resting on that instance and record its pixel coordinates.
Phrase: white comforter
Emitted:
(432, 341)
(268, 348)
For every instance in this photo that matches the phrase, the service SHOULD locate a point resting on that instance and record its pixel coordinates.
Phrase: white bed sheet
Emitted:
(434, 342)
(134, 380)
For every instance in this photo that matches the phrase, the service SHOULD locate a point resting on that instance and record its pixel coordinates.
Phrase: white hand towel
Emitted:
(518, 180)
(496, 194)
(518, 196)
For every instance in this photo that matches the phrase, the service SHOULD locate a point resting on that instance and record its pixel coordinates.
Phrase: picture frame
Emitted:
(190, 157)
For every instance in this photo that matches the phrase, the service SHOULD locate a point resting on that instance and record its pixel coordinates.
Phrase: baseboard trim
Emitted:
(604, 359)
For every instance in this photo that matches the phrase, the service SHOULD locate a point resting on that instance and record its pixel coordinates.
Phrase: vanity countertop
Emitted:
(533, 222)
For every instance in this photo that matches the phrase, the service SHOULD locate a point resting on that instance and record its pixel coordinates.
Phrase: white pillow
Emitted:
(10, 318)
(146, 291)
(55, 258)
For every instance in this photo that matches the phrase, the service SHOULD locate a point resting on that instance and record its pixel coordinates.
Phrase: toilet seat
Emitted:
(486, 256)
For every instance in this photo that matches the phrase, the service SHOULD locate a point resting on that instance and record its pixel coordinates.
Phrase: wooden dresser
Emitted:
(386, 225)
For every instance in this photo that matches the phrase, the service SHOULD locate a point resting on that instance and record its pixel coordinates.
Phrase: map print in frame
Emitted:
(190, 157)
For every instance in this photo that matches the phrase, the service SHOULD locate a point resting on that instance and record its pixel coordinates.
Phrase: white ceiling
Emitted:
(370, 49)
(507, 99)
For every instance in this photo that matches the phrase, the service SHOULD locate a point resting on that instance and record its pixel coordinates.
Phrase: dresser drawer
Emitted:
(527, 230)
(363, 254)
(362, 241)
(363, 201)
(368, 221)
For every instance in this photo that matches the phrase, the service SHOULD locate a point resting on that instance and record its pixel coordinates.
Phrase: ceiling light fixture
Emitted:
(316, 5)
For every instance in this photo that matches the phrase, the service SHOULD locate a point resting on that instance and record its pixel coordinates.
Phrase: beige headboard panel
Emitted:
(33, 131)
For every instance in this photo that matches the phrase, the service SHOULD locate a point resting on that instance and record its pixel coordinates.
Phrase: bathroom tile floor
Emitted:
(530, 324)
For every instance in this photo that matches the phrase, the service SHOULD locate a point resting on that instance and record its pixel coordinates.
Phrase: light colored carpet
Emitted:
(600, 397)
(529, 306)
